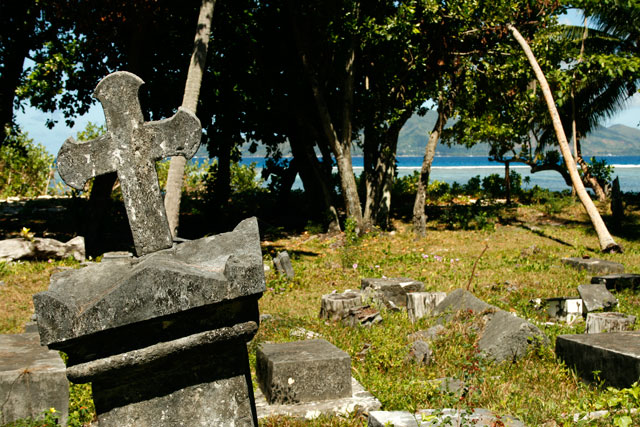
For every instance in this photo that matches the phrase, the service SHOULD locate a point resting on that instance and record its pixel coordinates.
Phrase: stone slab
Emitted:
(440, 417)
(616, 355)
(461, 300)
(618, 281)
(282, 263)
(504, 335)
(594, 265)
(303, 371)
(32, 379)
(129, 291)
(360, 399)
(597, 297)
(391, 291)
(508, 337)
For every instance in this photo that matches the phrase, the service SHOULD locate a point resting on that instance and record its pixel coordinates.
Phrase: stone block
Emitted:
(461, 300)
(566, 309)
(594, 265)
(421, 304)
(393, 291)
(504, 336)
(282, 263)
(428, 335)
(597, 297)
(360, 400)
(303, 371)
(440, 417)
(419, 352)
(336, 306)
(194, 275)
(32, 379)
(609, 322)
(618, 281)
(507, 337)
(615, 355)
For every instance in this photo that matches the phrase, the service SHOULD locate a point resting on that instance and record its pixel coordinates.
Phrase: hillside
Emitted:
(616, 140)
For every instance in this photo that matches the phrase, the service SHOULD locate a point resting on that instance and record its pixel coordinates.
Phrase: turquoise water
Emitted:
(461, 169)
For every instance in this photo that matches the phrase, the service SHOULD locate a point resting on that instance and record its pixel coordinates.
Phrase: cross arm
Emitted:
(80, 161)
(178, 135)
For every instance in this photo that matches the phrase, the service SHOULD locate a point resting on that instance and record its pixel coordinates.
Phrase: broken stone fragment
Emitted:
(504, 335)
(41, 248)
(597, 297)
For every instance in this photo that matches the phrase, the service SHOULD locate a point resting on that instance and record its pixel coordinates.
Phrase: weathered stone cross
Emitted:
(131, 147)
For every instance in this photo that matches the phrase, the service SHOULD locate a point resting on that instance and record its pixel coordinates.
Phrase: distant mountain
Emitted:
(616, 140)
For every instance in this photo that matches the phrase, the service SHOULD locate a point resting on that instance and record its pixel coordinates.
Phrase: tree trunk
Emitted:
(607, 244)
(507, 182)
(314, 179)
(189, 102)
(589, 179)
(222, 184)
(419, 214)
(16, 48)
(340, 146)
(380, 173)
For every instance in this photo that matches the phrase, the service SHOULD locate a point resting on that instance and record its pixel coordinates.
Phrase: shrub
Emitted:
(25, 167)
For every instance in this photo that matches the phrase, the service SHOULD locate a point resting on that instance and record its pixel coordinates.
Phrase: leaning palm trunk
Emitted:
(607, 244)
(189, 102)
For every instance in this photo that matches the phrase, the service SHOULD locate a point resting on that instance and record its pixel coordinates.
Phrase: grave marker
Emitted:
(162, 337)
(131, 148)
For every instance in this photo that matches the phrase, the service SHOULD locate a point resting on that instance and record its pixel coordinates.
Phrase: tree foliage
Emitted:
(26, 169)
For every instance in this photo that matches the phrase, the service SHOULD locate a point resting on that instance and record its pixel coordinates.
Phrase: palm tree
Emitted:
(607, 244)
(190, 102)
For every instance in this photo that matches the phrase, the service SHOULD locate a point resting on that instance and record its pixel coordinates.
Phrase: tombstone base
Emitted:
(216, 391)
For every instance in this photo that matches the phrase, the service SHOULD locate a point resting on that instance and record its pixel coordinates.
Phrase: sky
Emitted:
(33, 121)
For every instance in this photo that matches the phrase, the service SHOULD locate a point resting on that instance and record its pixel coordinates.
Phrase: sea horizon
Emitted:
(460, 169)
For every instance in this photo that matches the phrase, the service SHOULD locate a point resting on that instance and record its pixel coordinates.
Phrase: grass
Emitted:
(524, 246)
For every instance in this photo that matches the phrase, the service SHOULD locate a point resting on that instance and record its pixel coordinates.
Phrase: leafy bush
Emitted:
(494, 185)
(601, 171)
(25, 168)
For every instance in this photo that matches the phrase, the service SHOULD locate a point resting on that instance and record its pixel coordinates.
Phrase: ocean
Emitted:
(461, 169)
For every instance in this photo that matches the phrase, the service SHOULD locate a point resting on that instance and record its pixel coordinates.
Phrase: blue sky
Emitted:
(33, 121)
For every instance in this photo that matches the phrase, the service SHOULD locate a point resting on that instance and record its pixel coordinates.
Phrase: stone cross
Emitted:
(131, 147)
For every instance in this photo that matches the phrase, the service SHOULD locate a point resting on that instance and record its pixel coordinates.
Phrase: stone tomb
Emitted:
(282, 264)
(615, 355)
(421, 304)
(162, 337)
(32, 379)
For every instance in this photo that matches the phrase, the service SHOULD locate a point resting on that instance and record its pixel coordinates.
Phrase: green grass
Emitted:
(537, 388)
